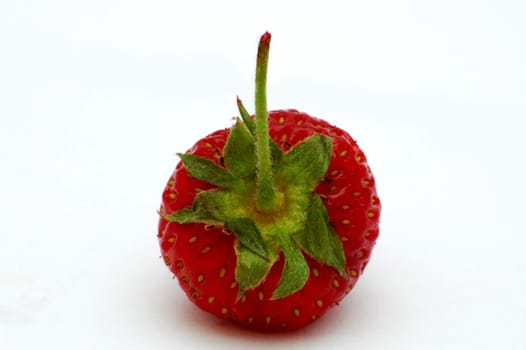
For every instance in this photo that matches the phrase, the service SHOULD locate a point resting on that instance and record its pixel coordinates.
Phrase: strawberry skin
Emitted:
(202, 256)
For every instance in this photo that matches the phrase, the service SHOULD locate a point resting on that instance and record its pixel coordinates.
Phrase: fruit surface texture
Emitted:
(271, 222)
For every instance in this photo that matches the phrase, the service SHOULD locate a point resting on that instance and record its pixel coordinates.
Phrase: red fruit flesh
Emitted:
(203, 259)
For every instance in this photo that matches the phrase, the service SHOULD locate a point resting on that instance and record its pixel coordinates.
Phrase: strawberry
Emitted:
(269, 223)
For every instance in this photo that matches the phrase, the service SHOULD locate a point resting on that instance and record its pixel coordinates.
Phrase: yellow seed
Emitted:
(211, 299)
(334, 172)
(353, 273)
(370, 214)
(268, 319)
(315, 272)
(208, 145)
(319, 303)
(196, 294)
(359, 253)
(281, 120)
(167, 261)
(297, 312)
(192, 239)
(209, 227)
(344, 239)
(200, 278)
(171, 239)
(356, 194)
(224, 311)
(366, 234)
(180, 265)
(345, 222)
(335, 283)
(233, 285)
(261, 296)
(244, 298)
(206, 249)
(345, 207)
(171, 182)
(185, 279)
(366, 182)
(222, 272)
(347, 290)
(343, 153)
(283, 137)
(172, 195)
(299, 122)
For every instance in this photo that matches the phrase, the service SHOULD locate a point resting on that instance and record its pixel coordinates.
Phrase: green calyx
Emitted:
(267, 198)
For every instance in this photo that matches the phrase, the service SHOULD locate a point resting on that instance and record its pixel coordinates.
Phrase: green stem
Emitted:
(266, 198)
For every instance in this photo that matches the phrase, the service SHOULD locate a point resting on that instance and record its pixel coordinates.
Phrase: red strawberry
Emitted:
(270, 232)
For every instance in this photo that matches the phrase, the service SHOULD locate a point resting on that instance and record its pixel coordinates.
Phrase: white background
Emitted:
(96, 98)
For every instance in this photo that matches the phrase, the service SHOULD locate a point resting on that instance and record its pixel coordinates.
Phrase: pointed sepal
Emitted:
(336, 254)
(319, 239)
(238, 154)
(209, 207)
(248, 234)
(307, 163)
(295, 269)
(251, 268)
(206, 170)
(247, 118)
(314, 239)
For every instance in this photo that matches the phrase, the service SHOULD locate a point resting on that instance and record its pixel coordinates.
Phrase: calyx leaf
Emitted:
(251, 268)
(336, 255)
(247, 119)
(239, 152)
(307, 162)
(209, 207)
(319, 239)
(295, 270)
(248, 234)
(206, 170)
(314, 239)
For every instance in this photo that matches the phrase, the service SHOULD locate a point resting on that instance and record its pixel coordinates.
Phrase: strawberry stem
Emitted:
(266, 198)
